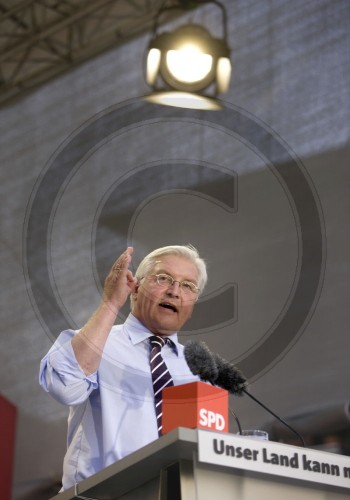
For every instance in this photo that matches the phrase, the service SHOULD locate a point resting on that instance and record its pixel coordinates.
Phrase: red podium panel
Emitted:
(7, 446)
(195, 405)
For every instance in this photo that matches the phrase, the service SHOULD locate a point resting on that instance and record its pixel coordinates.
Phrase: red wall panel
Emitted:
(7, 446)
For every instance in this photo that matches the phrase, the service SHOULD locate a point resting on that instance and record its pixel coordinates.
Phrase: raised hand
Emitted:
(89, 343)
(120, 281)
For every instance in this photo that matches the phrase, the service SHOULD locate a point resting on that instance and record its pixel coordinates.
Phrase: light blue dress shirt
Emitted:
(112, 410)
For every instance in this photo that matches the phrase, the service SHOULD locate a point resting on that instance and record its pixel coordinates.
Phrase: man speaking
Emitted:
(112, 376)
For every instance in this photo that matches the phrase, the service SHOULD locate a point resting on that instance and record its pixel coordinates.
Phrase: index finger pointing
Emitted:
(123, 262)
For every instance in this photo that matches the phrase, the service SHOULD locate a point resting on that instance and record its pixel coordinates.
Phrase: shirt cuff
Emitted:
(62, 359)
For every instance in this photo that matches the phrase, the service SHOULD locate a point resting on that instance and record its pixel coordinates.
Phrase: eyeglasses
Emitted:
(165, 280)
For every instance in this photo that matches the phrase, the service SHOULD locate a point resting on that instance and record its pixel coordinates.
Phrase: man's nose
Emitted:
(174, 288)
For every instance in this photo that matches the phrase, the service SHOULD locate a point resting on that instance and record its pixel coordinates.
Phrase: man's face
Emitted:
(164, 310)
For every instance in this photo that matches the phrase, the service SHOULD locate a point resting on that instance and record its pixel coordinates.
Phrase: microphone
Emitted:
(201, 361)
(213, 368)
(228, 376)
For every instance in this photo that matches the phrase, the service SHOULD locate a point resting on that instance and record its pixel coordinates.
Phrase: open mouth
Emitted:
(167, 305)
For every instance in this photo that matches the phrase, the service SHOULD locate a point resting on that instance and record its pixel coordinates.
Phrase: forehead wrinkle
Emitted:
(174, 265)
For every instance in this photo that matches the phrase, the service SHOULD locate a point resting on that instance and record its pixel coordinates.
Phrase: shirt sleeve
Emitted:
(61, 375)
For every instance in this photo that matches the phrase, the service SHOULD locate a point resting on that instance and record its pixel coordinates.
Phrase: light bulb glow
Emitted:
(188, 64)
(184, 100)
(223, 74)
(153, 60)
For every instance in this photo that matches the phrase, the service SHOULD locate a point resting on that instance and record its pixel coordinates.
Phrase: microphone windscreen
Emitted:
(200, 361)
(229, 377)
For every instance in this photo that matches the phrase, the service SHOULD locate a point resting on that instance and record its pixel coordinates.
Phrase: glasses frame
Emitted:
(172, 281)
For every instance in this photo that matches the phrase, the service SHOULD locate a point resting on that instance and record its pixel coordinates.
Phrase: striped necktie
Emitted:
(161, 377)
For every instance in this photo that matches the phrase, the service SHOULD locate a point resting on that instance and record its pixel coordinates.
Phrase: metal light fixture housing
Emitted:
(189, 59)
(188, 68)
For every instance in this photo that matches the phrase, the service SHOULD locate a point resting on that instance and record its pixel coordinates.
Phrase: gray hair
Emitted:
(187, 251)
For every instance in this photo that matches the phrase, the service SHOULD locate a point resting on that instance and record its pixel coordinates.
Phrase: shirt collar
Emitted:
(137, 332)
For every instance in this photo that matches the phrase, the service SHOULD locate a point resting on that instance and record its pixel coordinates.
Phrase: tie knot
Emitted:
(159, 342)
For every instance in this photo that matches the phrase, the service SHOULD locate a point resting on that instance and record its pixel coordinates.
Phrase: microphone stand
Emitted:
(274, 415)
(231, 411)
(237, 420)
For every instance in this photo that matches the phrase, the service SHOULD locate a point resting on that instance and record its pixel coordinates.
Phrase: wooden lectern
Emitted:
(196, 464)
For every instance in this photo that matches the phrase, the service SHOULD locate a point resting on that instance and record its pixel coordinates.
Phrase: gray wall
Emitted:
(262, 189)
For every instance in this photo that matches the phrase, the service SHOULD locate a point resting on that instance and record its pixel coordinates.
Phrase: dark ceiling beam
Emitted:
(41, 39)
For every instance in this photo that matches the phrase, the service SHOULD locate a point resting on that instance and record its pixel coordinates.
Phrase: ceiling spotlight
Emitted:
(181, 65)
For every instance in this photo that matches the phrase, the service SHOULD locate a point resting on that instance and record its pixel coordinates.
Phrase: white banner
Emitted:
(273, 458)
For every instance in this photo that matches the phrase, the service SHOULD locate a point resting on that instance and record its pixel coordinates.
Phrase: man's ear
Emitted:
(135, 292)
